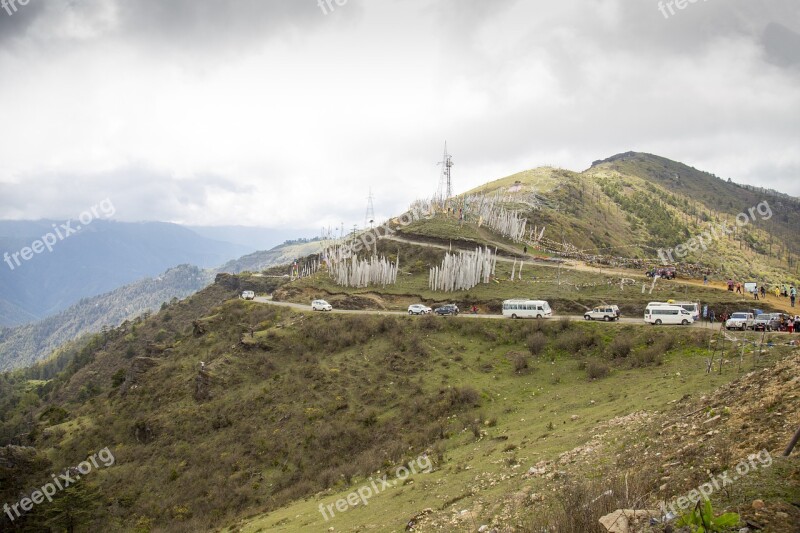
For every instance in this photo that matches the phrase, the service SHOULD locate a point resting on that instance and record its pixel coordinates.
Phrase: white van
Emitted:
(527, 309)
(692, 307)
(248, 295)
(660, 313)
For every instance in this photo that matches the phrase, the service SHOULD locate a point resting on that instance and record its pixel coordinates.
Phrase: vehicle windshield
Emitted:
(739, 315)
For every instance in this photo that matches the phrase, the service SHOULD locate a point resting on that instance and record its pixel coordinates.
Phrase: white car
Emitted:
(321, 305)
(741, 321)
(419, 309)
(248, 295)
(607, 313)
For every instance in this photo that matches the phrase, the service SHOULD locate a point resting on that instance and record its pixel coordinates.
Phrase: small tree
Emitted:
(73, 507)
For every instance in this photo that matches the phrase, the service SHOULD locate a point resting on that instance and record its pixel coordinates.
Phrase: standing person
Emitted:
(777, 291)
(755, 293)
(738, 288)
(797, 323)
(705, 279)
(763, 292)
(792, 295)
(711, 316)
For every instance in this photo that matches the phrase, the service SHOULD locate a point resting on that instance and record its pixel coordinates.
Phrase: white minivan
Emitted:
(660, 313)
(527, 309)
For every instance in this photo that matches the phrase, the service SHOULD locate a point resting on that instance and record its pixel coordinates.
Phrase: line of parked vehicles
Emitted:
(760, 321)
(656, 313)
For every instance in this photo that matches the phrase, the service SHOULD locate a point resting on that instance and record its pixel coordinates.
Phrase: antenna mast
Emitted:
(445, 181)
(369, 218)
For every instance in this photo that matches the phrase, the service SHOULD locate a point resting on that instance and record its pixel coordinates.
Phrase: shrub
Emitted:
(536, 343)
(520, 363)
(597, 370)
(468, 396)
(651, 356)
(118, 378)
(621, 347)
(575, 340)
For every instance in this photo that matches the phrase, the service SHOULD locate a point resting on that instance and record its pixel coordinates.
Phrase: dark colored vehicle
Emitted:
(447, 309)
(668, 272)
(768, 322)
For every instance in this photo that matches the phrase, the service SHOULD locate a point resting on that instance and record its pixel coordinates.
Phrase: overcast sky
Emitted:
(282, 113)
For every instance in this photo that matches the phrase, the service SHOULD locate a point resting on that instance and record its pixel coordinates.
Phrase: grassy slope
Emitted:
(478, 473)
(311, 401)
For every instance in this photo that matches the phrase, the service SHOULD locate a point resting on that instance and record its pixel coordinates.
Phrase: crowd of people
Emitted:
(760, 292)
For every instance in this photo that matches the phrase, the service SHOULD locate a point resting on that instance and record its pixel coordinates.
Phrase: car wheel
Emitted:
(658, 322)
(744, 327)
(607, 319)
(411, 312)
(538, 317)
(587, 317)
(684, 322)
(513, 316)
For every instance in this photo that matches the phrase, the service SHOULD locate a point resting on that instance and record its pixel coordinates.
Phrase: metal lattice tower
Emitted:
(445, 181)
(369, 218)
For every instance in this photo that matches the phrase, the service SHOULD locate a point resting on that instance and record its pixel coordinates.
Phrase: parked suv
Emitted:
(767, 322)
(447, 309)
(607, 313)
(418, 309)
(321, 305)
(741, 321)
(248, 295)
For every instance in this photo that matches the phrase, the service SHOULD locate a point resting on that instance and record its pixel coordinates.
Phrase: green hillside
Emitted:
(232, 415)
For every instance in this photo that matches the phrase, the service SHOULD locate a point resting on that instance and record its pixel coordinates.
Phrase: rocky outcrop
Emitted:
(202, 386)
(139, 367)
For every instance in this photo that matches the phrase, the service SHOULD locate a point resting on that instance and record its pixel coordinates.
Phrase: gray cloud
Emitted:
(271, 111)
(15, 25)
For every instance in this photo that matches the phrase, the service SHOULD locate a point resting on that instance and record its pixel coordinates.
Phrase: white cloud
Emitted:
(272, 113)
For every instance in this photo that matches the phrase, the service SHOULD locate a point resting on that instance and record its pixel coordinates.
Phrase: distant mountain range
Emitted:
(24, 345)
(101, 257)
(251, 238)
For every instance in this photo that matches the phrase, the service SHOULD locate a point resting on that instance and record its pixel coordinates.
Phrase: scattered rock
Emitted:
(620, 521)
